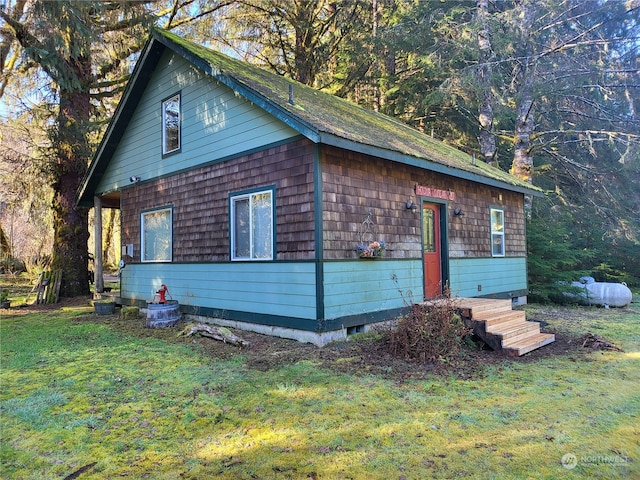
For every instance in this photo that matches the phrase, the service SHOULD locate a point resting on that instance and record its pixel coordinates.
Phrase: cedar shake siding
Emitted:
(200, 202)
(355, 184)
(469, 235)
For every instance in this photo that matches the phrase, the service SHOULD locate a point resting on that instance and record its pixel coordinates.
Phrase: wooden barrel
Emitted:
(160, 315)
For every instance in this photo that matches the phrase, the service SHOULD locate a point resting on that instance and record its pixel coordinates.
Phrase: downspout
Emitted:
(319, 246)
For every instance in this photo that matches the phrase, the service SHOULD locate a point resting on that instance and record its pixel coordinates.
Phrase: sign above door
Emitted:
(424, 191)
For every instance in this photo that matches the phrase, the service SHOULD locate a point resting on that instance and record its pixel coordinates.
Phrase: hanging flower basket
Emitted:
(372, 250)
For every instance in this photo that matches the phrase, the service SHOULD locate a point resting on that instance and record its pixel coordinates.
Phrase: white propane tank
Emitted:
(609, 294)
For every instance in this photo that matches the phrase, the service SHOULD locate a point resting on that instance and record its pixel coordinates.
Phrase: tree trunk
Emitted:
(5, 248)
(486, 139)
(522, 165)
(71, 224)
(304, 55)
(108, 235)
(98, 274)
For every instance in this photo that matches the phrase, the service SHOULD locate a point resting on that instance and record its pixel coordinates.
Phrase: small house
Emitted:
(264, 204)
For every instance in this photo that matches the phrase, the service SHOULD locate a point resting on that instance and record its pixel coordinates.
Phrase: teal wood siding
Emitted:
(363, 286)
(495, 275)
(216, 124)
(278, 289)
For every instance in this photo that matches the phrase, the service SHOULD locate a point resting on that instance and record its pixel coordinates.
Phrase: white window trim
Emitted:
(243, 196)
(497, 232)
(142, 232)
(177, 97)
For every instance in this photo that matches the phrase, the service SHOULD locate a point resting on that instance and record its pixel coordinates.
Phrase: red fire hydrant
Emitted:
(162, 293)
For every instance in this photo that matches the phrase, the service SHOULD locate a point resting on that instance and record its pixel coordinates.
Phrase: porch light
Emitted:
(411, 206)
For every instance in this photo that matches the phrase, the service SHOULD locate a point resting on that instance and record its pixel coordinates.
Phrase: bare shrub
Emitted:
(429, 332)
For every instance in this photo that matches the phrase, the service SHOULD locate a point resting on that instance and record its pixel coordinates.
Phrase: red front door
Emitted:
(431, 250)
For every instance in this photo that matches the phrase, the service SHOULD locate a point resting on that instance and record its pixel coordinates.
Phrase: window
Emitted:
(497, 232)
(428, 230)
(171, 124)
(252, 226)
(157, 235)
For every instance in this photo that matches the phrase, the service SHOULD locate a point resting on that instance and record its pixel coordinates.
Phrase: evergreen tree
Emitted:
(77, 54)
(296, 39)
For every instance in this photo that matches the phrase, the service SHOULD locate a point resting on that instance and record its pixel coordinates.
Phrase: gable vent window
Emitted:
(252, 225)
(171, 124)
(497, 232)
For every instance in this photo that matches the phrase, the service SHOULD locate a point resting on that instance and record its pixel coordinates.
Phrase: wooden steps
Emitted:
(501, 327)
(528, 344)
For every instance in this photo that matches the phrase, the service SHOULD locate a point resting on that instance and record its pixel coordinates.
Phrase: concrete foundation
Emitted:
(319, 339)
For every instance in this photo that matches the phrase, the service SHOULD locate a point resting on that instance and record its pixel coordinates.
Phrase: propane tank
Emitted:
(603, 293)
(609, 294)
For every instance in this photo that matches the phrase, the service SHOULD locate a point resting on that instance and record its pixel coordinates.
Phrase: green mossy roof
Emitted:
(326, 114)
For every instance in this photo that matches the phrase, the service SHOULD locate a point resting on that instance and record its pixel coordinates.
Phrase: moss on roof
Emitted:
(328, 114)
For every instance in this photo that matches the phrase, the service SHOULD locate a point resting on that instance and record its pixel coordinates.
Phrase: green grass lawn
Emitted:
(76, 392)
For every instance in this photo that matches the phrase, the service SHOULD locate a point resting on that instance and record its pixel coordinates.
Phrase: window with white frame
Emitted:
(156, 227)
(252, 222)
(497, 232)
(171, 124)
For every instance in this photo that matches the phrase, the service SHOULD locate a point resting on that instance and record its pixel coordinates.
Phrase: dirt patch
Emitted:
(363, 356)
(27, 309)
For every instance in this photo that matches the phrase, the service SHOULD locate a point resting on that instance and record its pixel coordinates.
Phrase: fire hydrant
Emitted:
(162, 293)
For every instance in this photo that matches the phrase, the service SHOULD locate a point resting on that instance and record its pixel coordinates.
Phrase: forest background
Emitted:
(546, 89)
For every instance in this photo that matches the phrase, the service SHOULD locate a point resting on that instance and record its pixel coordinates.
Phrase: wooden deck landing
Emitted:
(501, 327)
